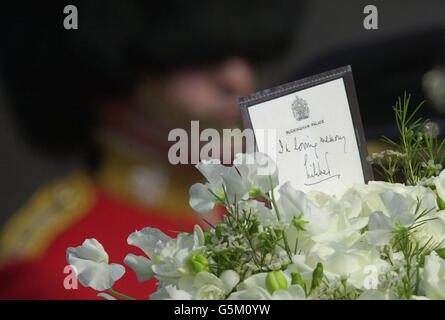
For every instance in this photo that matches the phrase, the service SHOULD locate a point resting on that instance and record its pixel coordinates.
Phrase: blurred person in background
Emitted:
(112, 90)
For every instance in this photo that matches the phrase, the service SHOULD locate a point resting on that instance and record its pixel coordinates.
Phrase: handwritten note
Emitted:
(316, 146)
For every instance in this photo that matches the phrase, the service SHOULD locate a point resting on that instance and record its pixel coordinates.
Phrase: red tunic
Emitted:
(108, 220)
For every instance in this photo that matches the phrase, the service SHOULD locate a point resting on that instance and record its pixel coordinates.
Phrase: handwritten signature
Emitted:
(315, 170)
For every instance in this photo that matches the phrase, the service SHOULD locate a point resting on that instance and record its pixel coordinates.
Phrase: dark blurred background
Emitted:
(407, 52)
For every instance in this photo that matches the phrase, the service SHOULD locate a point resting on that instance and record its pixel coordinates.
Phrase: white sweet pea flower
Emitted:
(257, 169)
(201, 199)
(381, 227)
(222, 182)
(439, 182)
(255, 288)
(344, 221)
(249, 173)
(372, 202)
(237, 186)
(321, 199)
(207, 286)
(359, 262)
(426, 196)
(370, 195)
(433, 282)
(293, 203)
(202, 196)
(90, 262)
(251, 293)
(258, 209)
(170, 292)
(432, 229)
(169, 258)
(202, 286)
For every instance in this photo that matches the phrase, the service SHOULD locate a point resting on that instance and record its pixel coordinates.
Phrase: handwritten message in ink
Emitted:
(316, 147)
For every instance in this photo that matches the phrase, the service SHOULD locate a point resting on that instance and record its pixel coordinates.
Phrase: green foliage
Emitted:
(405, 240)
(418, 153)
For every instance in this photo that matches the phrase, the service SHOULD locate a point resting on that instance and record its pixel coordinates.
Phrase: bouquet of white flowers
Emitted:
(381, 240)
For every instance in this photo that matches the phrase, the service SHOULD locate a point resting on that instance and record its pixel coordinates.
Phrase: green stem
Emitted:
(274, 203)
(120, 295)
(286, 245)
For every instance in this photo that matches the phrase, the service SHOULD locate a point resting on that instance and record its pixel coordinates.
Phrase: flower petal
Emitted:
(198, 236)
(91, 249)
(229, 280)
(206, 278)
(250, 293)
(97, 275)
(378, 221)
(201, 199)
(397, 206)
(141, 265)
(170, 292)
(212, 170)
(237, 187)
(147, 239)
(294, 292)
(90, 262)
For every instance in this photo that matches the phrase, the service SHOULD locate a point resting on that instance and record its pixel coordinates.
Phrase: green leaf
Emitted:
(441, 252)
(440, 203)
(299, 223)
(317, 275)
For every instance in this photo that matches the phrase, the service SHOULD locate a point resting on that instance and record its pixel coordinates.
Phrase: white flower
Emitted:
(254, 288)
(169, 258)
(202, 286)
(237, 187)
(344, 221)
(427, 197)
(257, 168)
(90, 262)
(201, 199)
(433, 282)
(371, 200)
(202, 196)
(432, 229)
(207, 286)
(292, 203)
(170, 292)
(329, 219)
(440, 185)
(257, 208)
(370, 194)
(321, 199)
(249, 172)
(381, 227)
(222, 182)
(359, 262)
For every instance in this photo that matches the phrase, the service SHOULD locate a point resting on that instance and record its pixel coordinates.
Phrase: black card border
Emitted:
(285, 89)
